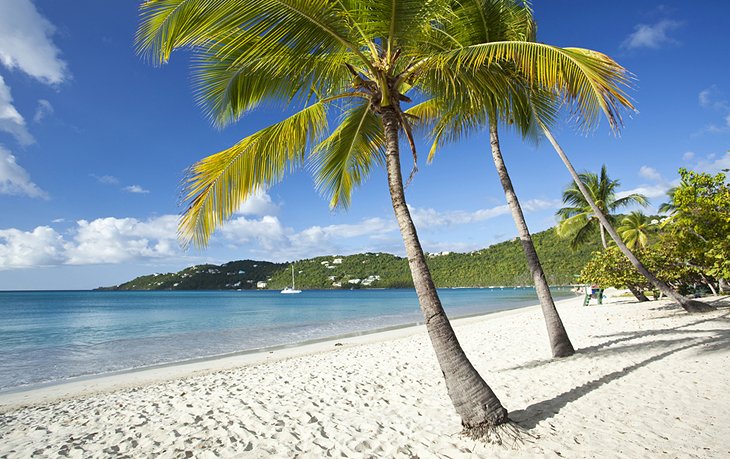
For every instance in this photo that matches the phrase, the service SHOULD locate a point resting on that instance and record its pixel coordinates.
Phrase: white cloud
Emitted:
(135, 189)
(712, 128)
(111, 180)
(116, 240)
(655, 190)
(41, 247)
(268, 237)
(317, 235)
(704, 98)
(106, 179)
(267, 232)
(104, 240)
(651, 36)
(658, 190)
(14, 179)
(43, 110)
(25, 42)
(711, 98)
(650, 173)
(712, 165)
(426, 218)
(11, 121)
(533, 205)
(258, 204)
(124, 240)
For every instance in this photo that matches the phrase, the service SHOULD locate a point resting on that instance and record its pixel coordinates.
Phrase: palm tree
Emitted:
(669, 207)
(686, 303)
(558, 336)
(490, 21)
(635, 229)
(360, 59)
(578, 220)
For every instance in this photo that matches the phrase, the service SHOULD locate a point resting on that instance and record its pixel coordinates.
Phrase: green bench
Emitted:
(591, 292)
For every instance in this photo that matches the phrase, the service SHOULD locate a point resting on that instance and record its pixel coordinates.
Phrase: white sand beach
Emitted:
(648, 380)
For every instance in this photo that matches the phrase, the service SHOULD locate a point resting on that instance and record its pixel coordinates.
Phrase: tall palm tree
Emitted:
(686, 303)
(361, 58)
(578, 220)
(635, 229)
(478, 21)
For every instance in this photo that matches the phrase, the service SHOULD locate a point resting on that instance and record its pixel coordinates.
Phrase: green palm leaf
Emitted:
(588, 81)
(228, 84)
(308, 27)
(602, 190)
(218, 185)
(345, 158)
(635, 229)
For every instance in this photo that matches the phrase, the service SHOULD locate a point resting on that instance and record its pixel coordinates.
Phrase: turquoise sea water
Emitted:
(48, 337)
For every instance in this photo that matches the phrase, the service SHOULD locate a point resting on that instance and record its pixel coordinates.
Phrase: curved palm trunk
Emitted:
(686, 303)
(603, 235)
(478, 406)
(559, 341)
(638, 294)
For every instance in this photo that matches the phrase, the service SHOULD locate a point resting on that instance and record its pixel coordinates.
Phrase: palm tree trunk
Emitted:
(686, 303)
(603, 236)
(638, 294)
(559, 341)
(474, 400)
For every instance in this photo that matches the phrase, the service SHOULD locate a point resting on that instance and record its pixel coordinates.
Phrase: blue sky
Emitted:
(94, 142)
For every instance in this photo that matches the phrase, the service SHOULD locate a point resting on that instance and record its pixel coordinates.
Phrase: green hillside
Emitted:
(500, 264)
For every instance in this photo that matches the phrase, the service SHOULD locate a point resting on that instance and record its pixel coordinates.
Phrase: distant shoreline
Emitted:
(106, 289)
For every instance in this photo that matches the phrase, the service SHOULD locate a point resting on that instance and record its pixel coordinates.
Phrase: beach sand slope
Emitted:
(648, 380)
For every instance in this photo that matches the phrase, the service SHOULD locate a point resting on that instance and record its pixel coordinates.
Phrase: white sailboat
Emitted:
(291, 289)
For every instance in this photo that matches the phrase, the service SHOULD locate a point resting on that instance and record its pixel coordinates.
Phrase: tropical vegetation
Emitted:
(360, 59)
(636, 228)
(700, 222)
(687, 304)
(578, 221)
(690, 248)
(501, 264)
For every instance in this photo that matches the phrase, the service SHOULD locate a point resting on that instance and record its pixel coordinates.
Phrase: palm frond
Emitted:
(634, 230)
(217, 185)
(565, 213)
(168, 24)
(229, 84)
(397, 22)
(584, 234)
(307, 27)
(345, 158)
(633, 198)
(481, 21)
(579, 228)
(588, 81)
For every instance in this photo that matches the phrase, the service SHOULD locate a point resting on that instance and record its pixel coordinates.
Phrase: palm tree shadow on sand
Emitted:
(703, 340)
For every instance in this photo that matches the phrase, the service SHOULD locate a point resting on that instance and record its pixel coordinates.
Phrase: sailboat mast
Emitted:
(292, 277)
